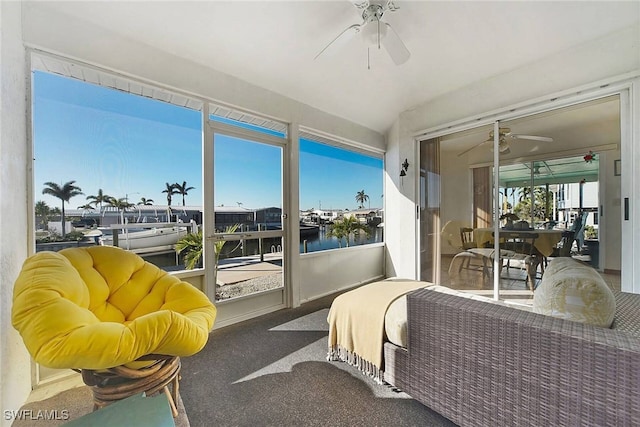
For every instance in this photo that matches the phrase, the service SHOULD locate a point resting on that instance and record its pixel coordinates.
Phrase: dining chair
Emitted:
(469, 252)
(466, 236)
(520, 246)
(563, 249)
(579, 228)
(466, 242)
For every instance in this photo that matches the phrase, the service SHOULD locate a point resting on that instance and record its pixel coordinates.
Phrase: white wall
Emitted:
(618, 53)
(400, 209)
(15, 366)
(323, 273)
(609, 229)
(614, 55)
(456, 200)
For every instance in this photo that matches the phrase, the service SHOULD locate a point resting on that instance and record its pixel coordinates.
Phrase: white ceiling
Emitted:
(273, 44)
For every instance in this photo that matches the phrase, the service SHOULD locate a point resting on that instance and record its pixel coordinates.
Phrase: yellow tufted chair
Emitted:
(98, 308)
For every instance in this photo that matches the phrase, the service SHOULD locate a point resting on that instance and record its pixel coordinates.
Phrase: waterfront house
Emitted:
(563, 69)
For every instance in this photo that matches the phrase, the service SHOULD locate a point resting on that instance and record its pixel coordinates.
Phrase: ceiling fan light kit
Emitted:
(374, 32)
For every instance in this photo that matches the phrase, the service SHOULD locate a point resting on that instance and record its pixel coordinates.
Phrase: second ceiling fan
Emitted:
(505, 137)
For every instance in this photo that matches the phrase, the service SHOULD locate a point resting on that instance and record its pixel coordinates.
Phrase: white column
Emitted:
(15, 363)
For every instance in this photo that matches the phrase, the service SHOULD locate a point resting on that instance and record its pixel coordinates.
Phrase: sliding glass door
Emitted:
(559, 173)
(429, 210)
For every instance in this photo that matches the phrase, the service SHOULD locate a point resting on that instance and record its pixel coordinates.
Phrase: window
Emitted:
(340, 197)
(114, 168)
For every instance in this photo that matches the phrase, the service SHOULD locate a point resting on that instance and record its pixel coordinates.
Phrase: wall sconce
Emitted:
(405, 168)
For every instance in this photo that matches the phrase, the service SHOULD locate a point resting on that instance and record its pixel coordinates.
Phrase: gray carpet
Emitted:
(272, 371)
(77, 402)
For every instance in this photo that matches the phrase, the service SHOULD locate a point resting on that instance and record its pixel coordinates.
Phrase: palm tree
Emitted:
(361, 197)
(64, 193)
(121, 205)
(182, 189)
(98, 199)
(170, 190)
(144, 201)
(345, 227)
(86, 207)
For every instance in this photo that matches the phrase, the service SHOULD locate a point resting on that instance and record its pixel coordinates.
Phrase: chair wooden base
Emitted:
(121, 382)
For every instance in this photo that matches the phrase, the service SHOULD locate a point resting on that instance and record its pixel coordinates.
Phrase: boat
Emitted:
(309, 230)
(146, 238)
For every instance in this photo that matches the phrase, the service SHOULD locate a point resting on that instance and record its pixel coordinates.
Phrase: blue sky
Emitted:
(130, 146)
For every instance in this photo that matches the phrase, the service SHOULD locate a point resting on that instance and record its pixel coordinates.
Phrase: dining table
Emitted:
(545, 242)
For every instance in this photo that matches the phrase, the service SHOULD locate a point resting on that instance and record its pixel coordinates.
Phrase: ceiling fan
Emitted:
(373, 31)
(505, 137)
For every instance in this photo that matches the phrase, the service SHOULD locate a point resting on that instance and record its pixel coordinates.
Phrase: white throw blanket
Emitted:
(356, 323)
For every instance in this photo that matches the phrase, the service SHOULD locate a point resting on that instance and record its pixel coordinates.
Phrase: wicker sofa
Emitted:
(482, 364)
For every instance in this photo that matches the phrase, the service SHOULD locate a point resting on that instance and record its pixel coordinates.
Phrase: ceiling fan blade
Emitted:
(339, 41)
(532, 137)
(475, 146)
(360, 4)
(396, 49)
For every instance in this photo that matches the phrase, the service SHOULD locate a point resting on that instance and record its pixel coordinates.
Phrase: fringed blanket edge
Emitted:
(338, 353)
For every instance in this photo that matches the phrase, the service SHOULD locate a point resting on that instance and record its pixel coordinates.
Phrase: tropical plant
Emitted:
(75, 235)
(170, 190)
(361, 197)
(191, 245)
(540, 198)
(506, 193)
(99, 198)
(44, 211)
(346, 227)
(144, 201)
(64, 193)
(182, 189)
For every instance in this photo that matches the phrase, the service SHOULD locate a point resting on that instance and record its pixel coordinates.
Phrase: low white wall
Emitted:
(325, 272)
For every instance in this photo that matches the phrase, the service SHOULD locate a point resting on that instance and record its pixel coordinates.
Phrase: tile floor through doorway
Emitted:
(513, 287)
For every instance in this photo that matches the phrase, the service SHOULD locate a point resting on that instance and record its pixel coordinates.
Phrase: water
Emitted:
(322, 241)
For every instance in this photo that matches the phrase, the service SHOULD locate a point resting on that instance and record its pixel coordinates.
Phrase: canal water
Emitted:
(322, 241)
(314, 243)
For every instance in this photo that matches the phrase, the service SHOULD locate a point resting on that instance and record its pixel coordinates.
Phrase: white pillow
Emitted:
(574, 291)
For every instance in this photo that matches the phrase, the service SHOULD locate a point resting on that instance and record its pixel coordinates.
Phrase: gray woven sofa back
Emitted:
(482, 364)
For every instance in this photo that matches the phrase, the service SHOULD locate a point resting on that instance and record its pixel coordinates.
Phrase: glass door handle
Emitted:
(626, 209)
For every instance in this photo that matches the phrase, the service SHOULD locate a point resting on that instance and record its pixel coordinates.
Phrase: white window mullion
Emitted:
(208, 198)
